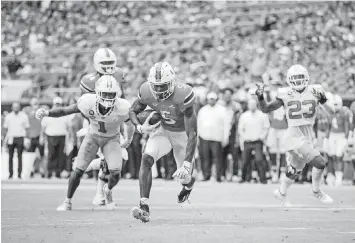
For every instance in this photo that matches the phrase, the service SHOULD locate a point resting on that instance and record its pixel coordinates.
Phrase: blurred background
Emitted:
(217, 46)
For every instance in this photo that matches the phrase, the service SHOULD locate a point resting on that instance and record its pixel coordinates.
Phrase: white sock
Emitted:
(339, 176)
(100, 186)
(105, 188)
(145, 201)
(68, 200)
(285, 184)
(316, 178)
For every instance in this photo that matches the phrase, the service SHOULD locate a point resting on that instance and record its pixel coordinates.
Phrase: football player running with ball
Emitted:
(174, 101)
(106, 113)
(300, 101)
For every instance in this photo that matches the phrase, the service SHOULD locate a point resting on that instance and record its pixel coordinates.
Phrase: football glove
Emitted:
(40, 113)
(146, 128)
(260, 91)
(183, 172)
(320, 95)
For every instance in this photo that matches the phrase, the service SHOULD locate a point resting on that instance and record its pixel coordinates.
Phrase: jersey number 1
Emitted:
(102, 128)
(292, 112)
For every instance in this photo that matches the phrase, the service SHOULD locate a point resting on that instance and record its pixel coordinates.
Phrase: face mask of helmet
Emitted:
(298, 82)
(162, 91)
(108, 67)
(107, 99)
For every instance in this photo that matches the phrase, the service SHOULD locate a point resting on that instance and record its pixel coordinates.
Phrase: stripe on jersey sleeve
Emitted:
(189, 98)
(86, 88)
(139, 94)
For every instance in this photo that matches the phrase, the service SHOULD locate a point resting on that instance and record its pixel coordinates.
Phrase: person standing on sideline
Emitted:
(16, 125)
(232, 108)
(253, 128)
(55, 130)
(33, 134)
(213, 131)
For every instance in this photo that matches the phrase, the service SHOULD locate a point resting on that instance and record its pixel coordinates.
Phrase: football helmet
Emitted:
(107, 91)
(161, 80)
(337, 102)
(297, 77)
(105, 61)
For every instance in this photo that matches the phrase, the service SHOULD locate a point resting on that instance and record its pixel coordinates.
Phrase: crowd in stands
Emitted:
(223, 44)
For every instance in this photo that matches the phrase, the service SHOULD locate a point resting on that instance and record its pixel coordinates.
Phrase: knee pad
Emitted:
(115, 173)
(78, 172)
(292, 172)
(319, 162)
(147, 160)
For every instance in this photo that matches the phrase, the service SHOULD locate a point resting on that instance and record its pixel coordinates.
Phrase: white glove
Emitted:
(145, 127)
(183, 172)
(40, 113)
(82, 132)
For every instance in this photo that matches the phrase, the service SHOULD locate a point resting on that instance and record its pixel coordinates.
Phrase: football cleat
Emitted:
(108, 196)
(99, 200)
(323, 197)
(65, 206)
(281, 197)
(141, 213)
(185, 193)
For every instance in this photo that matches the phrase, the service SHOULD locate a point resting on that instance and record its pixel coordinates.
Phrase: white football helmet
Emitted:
(162, 80)
(105, 61)
(107, 91)
(337, 102)
(297, 77)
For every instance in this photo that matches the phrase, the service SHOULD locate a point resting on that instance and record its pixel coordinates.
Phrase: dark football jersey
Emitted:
(172, 108)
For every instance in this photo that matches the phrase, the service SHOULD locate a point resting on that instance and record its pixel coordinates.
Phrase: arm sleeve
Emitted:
(189, 100)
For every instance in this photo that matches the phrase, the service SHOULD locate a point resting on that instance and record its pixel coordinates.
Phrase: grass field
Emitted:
(218, 213)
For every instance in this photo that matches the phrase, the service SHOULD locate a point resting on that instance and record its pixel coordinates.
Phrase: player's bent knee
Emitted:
(147, 160)
(115, 173)
(78, 172)
(318, 162)
(292, 172)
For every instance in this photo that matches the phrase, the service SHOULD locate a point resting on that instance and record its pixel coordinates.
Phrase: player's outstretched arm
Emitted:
(273, 105)
(266, 107)
(130, 129)
(191, 130)
(57, 112)
(136, 108)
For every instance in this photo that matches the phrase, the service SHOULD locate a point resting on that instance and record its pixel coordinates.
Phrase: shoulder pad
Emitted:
(144, 91)
(86, 102)
(283, 92)
(87, 83)
(183, 92)
(118, 75)
(123, 106)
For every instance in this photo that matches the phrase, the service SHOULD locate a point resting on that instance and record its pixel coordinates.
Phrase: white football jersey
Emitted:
(300, 107)
(104, 125)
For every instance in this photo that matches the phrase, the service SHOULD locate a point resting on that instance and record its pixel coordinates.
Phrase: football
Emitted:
(144, 115)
